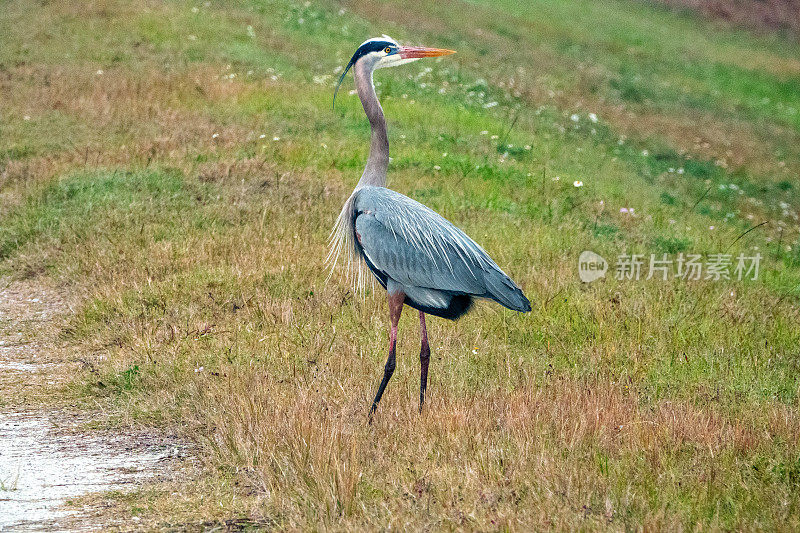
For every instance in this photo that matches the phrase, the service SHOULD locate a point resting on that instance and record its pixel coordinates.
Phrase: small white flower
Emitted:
(262, 136)
(489, 104)
(493, 137)
(711, 227)
(680, 170)
(645, 153)
(623, 209)
(276, 138)
(437, 167)
(484, 132)
(527, 146)
(575, 117)
(577, 183)
(199, 369)
(195, 9)
(215, 136)
(557, 178)
(99, 72)
(593, 117)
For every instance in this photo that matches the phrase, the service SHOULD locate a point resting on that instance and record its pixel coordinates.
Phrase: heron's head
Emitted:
(382, 52)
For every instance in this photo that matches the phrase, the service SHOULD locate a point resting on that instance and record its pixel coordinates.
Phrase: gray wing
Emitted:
(405, 241)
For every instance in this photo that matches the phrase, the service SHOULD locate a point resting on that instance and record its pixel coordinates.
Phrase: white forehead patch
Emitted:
(382, 38)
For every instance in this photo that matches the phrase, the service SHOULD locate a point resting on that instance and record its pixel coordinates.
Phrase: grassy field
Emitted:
(177, 167)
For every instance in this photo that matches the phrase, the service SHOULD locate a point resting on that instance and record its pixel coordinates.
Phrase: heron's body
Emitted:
(419, 257)
(410, 248)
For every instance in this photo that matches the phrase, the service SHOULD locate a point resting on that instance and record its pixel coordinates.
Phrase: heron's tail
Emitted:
(504, 291)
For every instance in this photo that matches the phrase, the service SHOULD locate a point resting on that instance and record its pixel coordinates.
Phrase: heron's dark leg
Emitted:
(424, 358)
(396, 301)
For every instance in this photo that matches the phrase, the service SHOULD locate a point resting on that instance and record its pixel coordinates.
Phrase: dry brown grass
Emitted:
(121, 120)
(489, 460)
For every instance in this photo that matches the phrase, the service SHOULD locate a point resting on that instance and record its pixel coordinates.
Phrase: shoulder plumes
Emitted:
(342, 245)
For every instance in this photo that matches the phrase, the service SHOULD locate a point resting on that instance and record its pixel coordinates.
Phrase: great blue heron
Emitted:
(420, 258)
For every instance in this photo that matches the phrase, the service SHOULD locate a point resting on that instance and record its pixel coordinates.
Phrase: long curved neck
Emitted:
(378, 161)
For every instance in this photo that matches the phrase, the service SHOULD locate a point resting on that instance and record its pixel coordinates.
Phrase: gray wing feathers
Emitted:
(505, 292)
(410, 264)
(417, 247)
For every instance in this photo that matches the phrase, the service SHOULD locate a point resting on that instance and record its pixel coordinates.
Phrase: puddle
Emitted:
(41, 468)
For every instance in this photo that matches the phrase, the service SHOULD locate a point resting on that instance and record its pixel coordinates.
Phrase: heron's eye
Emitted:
(387, 50)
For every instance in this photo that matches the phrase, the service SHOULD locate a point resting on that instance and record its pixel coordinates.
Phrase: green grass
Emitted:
(155, 190)
(91, 205)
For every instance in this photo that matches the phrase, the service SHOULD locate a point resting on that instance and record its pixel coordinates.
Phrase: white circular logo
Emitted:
(591, 266)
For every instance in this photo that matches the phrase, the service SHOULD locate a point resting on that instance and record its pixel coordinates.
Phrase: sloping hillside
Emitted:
(175, 167)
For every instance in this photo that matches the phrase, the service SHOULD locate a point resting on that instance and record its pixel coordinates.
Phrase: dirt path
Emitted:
(47, 456)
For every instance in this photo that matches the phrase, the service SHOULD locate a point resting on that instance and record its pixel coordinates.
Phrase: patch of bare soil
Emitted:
(47, 456)
(780, 15)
